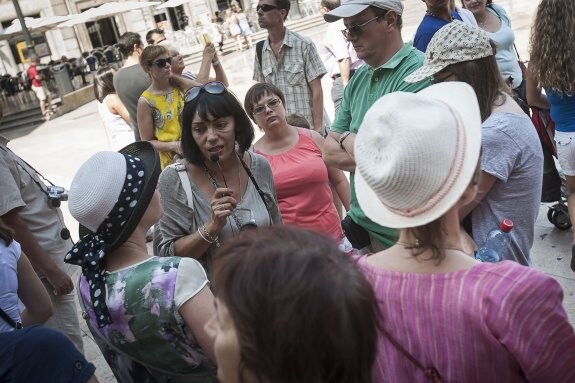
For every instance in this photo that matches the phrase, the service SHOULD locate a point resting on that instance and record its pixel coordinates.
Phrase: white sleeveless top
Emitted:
(118, 131)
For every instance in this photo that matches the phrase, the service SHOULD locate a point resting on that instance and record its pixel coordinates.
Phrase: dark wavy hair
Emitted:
(552, 52)
(211, 106)
(302, 310)
(104, 83)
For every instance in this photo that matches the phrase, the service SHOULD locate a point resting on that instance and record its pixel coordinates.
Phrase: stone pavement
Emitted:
(58, 147)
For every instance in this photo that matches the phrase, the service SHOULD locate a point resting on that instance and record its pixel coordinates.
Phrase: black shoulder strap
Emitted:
(10, 321)
(259, 51)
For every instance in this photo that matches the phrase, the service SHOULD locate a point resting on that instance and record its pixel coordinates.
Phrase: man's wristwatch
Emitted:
(342, 137)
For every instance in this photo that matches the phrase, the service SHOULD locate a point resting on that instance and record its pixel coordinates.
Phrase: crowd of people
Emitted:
(255, 276)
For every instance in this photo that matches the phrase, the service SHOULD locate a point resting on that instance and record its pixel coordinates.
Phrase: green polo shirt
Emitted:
(365, 87)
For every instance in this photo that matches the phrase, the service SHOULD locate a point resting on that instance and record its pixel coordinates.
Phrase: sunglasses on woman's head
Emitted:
(214, 87)
(161, 63)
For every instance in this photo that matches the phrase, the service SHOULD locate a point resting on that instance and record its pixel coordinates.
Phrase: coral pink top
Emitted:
(302, 187)
(499, 322)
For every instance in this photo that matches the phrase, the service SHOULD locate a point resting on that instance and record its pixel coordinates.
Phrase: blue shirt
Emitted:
(562, 110)
(427, 28)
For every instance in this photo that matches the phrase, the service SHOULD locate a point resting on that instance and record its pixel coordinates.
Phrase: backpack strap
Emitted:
(10, 321)
(185, 180)
(259, 52)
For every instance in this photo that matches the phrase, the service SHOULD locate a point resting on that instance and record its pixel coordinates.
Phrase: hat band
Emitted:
(89, 251)
(453, 174)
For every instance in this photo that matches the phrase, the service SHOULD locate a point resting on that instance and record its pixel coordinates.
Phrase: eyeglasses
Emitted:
(272, 104)
(214, 87)
(357, 30)
(161, 63)
(266, 8)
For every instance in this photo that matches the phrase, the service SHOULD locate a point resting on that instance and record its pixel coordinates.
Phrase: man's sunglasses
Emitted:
(357, 30)
(214, 87)
(266, 8)
(161, 63)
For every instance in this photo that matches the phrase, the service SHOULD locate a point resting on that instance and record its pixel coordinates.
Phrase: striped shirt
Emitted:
(491, 323)
(297, 65)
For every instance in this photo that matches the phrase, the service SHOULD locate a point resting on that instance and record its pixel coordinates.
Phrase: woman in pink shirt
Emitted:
(446, 316)
(301, 177)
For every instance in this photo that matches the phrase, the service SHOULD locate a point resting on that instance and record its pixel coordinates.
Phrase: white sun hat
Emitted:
(417, 153)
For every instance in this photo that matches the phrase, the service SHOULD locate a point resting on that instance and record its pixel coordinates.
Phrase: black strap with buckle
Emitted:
(10, 321)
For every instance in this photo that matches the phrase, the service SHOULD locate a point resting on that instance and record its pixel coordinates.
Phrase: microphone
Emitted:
(216, 159)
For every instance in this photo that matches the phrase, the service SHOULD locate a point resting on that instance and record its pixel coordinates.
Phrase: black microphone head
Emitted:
(214, 157)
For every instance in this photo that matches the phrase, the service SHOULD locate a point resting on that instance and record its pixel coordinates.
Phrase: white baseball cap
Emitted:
(416, 154)
(351, 8)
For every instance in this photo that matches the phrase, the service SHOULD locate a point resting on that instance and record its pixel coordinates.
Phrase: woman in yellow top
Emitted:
(160, 106)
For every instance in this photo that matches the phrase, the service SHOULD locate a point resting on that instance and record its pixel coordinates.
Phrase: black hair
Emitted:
(157, 31)
(208, 105)
(104, 83)
(127, 42)
(330, 5)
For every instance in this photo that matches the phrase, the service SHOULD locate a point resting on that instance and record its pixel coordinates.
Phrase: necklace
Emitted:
(428, 12)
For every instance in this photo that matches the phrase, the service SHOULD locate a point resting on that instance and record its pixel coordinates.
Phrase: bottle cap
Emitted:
(506, 225)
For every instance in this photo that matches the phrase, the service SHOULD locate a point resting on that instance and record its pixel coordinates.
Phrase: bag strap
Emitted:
(430, 373)
(259, 52)
(185, 180)
(10, 321)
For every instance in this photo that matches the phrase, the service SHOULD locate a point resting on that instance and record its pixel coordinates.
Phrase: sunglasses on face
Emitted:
(161, 63)
(357, 30)
(272, 104)
(266, 8)
(214, 87)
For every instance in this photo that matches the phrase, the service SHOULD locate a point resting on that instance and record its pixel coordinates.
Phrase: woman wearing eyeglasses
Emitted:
(301, 177)
(160, 106)
(218, 188)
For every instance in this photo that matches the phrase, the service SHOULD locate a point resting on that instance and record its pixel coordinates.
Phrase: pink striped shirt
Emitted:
(491, 323)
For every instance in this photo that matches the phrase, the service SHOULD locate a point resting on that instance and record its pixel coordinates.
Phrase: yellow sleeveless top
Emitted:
(166, 113)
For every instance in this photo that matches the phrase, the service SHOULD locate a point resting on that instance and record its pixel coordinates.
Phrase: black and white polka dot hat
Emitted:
(112, 190)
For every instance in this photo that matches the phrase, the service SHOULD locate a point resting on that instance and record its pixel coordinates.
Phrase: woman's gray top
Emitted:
(180, 220)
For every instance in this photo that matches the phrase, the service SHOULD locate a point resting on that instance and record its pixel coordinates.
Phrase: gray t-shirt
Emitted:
(511, 153)
(20, 187)
(129, 83)
(180, 220)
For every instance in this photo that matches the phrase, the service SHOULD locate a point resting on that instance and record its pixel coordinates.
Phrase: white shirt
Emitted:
(338, 48)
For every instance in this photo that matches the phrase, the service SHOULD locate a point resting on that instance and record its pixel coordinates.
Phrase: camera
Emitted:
(56, 194)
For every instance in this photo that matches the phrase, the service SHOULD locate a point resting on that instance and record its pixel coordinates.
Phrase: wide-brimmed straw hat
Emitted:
(454, 43)
(417, 153)
(108, 197)
(350, 8)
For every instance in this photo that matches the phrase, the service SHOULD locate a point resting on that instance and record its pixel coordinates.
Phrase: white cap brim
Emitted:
(344, 10)
(461, 97)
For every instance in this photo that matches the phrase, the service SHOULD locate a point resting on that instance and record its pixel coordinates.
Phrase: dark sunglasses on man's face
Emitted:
(161, 63)
(266, 8)
(214, 87)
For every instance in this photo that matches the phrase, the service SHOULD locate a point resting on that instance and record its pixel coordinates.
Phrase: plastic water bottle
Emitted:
(496, 243)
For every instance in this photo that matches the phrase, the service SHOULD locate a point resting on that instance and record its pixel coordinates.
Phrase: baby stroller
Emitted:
(554, 182)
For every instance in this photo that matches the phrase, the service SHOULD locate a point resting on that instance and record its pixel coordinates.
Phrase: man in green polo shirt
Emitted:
(373, 27)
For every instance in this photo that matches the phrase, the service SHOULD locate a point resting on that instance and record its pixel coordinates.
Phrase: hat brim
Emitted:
(148, 155)
(461, 97)
(425, 72)
(344, 10)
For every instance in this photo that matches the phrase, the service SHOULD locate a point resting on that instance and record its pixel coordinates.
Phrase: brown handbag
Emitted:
(430, 373)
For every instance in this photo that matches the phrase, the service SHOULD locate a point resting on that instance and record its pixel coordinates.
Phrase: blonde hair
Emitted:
(552, 51)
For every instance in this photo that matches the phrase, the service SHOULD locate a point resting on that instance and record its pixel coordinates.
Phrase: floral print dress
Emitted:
(148, 341)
